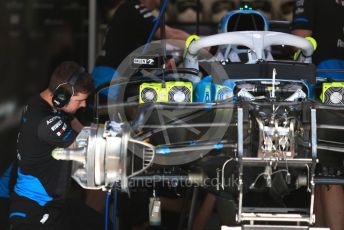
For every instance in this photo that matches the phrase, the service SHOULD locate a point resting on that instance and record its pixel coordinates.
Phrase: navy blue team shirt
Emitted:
(40, 177)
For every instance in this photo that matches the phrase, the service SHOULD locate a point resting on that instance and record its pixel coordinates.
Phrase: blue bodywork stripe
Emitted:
(21, 214)
(30, 187)
(218, 146)
(331, 68)
(164, 150)
(193, 142)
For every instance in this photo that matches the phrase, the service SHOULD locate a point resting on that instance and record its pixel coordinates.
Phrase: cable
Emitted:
(308, 188)
(223, 172)
(287, 177)
(107, 209)
(157, 22)
(255, 181)
(114, 210)
(263, 173)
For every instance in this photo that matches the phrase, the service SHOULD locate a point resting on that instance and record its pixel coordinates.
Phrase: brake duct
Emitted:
(101, 156)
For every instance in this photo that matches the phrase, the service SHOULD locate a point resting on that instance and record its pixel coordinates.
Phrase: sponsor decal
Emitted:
(58, 124)
(51, 120)
(145, 61)
(44, 218)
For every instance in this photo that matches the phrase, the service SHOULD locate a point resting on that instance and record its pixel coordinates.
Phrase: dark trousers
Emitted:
(68, 215)
(4, 208)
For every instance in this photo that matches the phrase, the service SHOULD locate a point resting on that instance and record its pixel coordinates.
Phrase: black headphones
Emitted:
(62, 95)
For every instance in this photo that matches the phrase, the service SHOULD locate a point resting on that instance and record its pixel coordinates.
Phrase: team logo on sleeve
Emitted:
(52, 120)
(58, 124)
(62, 130)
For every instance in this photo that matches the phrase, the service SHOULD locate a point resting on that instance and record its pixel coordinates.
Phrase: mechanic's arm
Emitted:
(76, 125)
(172, 33)
(62, 134)
(302, 33)
(72, 146)
(177, 34)
(58, 132)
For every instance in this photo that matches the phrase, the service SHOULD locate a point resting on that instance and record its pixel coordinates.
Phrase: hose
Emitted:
(155, 26)
(115, 210)
(108, 194)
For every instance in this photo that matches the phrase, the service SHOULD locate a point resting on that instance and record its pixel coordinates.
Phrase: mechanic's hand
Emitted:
(170, 63)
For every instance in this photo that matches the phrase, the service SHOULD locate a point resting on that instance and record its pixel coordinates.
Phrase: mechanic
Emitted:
(4, 197)
(129, 29)
(39, 197)
(8, 168)
(324, 21)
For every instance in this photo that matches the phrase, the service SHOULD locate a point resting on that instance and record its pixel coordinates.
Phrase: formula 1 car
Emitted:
(264, 131)
(264, 134)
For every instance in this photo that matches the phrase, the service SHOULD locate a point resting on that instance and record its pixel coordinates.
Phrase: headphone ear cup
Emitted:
(61, 97)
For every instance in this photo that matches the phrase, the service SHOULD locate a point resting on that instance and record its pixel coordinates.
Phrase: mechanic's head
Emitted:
(151, 4)
(70, 85)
